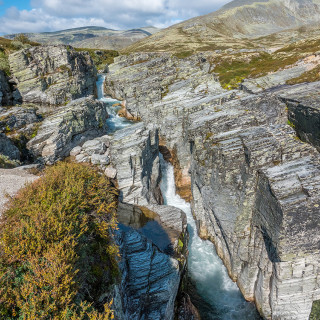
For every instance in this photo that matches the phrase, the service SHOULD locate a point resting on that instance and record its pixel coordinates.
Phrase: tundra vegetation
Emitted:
(58, 256)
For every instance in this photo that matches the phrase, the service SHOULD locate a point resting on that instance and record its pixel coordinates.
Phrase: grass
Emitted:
(9, 46)
(58, 256)
(308, 76)
(231, 73)
(100, 60)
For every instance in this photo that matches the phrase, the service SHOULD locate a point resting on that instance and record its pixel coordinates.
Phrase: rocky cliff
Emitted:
(68, 127)
(53, 75)
(255, 184)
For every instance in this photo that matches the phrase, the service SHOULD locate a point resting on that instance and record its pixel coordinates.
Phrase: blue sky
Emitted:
(50, 15)
(20, 4)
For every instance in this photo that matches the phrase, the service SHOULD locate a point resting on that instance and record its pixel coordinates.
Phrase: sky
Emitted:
(18, 16)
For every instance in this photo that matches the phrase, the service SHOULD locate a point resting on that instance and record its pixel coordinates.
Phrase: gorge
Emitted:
(209, 131)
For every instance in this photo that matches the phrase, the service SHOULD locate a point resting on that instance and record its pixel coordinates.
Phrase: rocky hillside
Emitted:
(92, 37)
(233, 26)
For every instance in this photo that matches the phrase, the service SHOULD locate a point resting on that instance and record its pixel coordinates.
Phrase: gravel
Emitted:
(11, 181)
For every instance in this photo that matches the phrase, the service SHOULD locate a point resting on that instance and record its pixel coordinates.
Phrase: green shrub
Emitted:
(231, 73)
(103, 58)
(6, 162)
(315, 312)
(58, 256)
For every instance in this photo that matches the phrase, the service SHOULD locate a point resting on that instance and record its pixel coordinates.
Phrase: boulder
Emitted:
(110, 172)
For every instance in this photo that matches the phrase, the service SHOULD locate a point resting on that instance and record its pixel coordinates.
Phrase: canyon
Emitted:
(216, 154)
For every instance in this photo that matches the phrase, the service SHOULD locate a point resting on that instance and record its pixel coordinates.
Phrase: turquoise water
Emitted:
(114, 122)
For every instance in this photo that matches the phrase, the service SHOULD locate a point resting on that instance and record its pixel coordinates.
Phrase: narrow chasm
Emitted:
(211, 290)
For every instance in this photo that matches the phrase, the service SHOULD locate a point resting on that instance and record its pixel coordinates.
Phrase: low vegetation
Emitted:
(7, 163)
(58, 257)
(308, 76)
(232, 70)
(315, 312)
(101, 57)
(8, 46)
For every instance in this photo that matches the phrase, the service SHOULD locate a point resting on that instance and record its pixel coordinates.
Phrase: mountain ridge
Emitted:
(235, 25)
(91, 37)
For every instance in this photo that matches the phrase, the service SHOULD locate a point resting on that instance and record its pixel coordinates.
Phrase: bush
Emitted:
(58, 258)
(6, 162)
(100, 57)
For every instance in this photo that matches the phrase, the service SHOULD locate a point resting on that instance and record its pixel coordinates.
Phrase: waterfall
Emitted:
(222, 297)
(114, 122)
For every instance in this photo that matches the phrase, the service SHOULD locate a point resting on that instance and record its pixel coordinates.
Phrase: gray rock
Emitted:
(304, 111)
(150, 278)
(53, 74)
(94, 147)
(110, 172)
(255, 185)
(70, 126)
(17, 118)
(7, 148)
(134, 153)
(82, 158)
(100, 159)
(75, 151)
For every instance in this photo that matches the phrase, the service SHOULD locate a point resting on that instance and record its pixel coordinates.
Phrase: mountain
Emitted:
(92, 37)
(236, 24)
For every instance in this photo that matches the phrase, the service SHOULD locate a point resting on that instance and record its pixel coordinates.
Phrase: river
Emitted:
(217, 297)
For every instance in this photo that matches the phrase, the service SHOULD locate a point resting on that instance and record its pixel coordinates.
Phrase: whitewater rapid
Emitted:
(222, 297)
(114, 122)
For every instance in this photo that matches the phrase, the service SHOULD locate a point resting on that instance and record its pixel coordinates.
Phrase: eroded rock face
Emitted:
(68, 127)
(304, 112)
(9, 96)
(255, 185)
(135, 154)
(8, 149)
(53, 75)
(150, 274)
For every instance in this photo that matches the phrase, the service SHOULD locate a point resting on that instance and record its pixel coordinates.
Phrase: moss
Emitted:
(165, 92)
(208, 135)
(65, 68)
(291, 124)
(183, 54)
(315, 311)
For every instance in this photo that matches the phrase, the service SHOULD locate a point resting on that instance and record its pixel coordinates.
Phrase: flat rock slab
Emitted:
(11, 181)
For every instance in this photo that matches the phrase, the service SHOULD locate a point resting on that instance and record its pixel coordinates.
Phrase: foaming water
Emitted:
(114, 122)
(222, 297)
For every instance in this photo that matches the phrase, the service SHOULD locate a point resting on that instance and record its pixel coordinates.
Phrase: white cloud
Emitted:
(51, 15)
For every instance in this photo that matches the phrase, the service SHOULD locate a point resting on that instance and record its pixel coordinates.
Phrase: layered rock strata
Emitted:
(255, 185)
(68, 127)
(151, 276)
(53, 75)
(135, 154)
